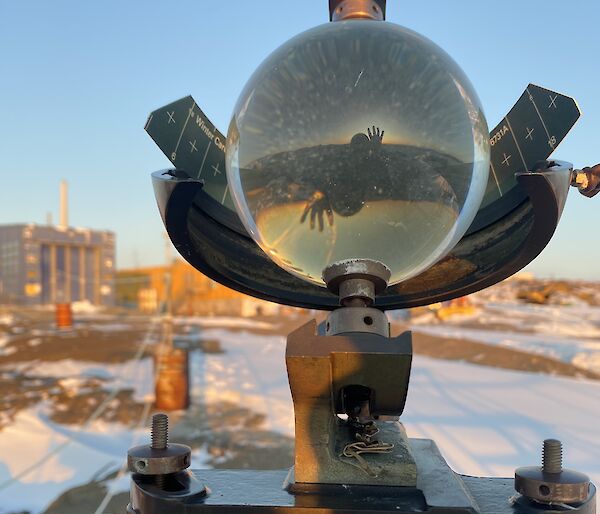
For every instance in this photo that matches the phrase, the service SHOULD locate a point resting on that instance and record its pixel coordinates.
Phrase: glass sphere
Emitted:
(357, 139)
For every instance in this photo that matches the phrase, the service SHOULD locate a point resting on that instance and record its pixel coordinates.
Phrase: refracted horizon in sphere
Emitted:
(357, 139)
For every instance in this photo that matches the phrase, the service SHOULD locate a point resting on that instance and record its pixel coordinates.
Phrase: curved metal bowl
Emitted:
(212, 239)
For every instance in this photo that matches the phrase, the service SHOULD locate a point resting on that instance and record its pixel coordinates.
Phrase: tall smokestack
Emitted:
(64, 204)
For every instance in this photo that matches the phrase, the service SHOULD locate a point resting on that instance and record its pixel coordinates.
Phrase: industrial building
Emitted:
(190, 293)
(47, 264)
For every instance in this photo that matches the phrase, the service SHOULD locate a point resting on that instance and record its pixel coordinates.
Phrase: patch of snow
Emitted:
(550, 319)
(108, 327)
(85, 307)
(250, 373)
(135, 375)
(7, 319)
(576, 321)
(71, 384)
(99, 445)
(586, 360)
(565, 349)
(223, 322)
(4, 352)
(488, 421)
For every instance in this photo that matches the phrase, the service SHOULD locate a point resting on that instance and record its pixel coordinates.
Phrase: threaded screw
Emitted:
(160, 431)
(552, 456)
(160, 439)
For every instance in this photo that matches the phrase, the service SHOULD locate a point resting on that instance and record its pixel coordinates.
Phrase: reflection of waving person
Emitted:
(341, 179)
(348, 197)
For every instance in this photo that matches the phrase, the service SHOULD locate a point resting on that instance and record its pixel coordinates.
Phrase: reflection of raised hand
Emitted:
(317, 204)
(376, 137)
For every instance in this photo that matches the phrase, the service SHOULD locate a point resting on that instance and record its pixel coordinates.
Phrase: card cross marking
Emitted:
(529, 134)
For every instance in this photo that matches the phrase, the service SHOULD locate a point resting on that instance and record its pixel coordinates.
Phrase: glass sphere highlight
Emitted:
(357, 140)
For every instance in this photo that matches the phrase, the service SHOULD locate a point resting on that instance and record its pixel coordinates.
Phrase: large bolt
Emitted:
(552, 456)
(160, 431)
(159, 459)
(159, 436)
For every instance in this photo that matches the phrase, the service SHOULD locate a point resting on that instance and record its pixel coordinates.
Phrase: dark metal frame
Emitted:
(439, 491)
(212, 239)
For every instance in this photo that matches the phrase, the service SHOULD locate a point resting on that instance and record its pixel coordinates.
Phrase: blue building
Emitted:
(45, 264)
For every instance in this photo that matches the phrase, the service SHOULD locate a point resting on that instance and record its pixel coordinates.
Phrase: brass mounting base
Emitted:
(320, 369)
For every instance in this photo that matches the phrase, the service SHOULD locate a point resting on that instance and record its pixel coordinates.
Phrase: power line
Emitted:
(123, 469)
(144, 421)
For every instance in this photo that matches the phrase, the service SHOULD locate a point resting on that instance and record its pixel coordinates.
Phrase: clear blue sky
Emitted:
(78, 79)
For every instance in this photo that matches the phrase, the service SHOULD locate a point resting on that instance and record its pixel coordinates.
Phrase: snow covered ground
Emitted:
(486, 421)
(566, 333)
(489, 421)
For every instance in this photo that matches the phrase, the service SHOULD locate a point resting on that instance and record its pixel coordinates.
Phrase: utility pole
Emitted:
(168, 297)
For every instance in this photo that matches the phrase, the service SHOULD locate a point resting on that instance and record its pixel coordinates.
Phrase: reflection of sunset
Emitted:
(395, 134)
(417, 228)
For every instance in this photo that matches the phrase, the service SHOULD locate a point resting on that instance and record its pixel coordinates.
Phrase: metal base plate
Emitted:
(439, 490)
